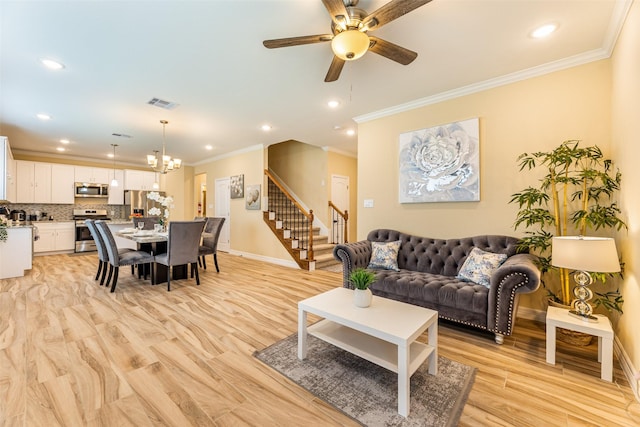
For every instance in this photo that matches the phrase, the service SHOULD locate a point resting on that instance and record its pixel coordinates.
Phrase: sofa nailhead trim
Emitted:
(511, 300)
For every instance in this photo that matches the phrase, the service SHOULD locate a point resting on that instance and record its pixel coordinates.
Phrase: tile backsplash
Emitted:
(65, 212)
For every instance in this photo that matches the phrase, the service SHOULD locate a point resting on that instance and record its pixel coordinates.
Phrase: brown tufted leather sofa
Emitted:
(427, 277)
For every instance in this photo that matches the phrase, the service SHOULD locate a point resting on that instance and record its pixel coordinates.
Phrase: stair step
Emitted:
(325, 260)
(322, 248)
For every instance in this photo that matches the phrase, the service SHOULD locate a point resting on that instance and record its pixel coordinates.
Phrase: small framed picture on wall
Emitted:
(236, 185)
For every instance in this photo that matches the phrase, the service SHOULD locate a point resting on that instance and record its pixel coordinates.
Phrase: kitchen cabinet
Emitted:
(116, 194)
(139, 180)
(33, 182)
(92, 175)
(38, 182)
(62, 184)
(7, 172)
(55, 237)
(16, 254)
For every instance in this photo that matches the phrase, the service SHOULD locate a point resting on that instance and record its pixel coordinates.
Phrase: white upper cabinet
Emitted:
(139, 180)
(7, 172)
(38, 182)
(62, 184)
(92, 175)
(33, 182)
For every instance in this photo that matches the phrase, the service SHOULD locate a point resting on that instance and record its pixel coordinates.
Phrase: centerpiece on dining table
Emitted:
(167, 204)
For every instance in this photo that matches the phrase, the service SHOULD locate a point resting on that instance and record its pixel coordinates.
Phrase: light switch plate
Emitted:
(368, 203)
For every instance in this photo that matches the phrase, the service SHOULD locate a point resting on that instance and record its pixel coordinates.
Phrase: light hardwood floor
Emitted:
(72, 354)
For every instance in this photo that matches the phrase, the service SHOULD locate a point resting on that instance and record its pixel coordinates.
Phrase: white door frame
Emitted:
(223, 209)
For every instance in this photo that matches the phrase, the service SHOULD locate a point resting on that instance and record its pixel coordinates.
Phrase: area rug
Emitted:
(369, 393)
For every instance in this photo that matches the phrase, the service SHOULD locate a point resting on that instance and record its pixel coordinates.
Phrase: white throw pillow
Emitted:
(479, 266)
(384, 255)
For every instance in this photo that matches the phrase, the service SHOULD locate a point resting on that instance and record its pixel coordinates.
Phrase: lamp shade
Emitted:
(350, 44)
(593, 254)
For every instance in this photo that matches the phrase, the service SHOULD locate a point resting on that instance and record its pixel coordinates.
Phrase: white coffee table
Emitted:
(384, 333)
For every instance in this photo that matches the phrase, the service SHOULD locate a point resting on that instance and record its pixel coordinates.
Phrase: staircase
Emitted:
(293, 226)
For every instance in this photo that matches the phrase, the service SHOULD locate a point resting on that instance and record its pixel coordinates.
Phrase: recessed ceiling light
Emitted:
(208, 147)
(51, 64)
(60, 149)
(64, 141)
(351, 132)
(110, 155)
(43, 116)
(543, 31)
(266, 128)
(333, 103)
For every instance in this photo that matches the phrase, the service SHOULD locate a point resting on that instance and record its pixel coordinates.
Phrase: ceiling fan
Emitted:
(349, 38)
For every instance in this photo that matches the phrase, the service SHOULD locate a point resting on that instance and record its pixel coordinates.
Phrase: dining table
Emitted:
(154, 242)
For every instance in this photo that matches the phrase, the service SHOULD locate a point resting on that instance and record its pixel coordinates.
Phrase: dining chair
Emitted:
(182, 247)
(103, 256)
(209, 244)
(149, 221)
(117, 259)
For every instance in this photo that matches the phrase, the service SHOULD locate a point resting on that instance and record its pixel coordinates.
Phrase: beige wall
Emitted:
(340, 164)
(532, 115)
(626, 152)
(248, 231)
(179, 185)
(303, 169)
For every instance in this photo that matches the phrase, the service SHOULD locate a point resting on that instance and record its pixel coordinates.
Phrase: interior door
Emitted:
(223, 209)
(340, 198)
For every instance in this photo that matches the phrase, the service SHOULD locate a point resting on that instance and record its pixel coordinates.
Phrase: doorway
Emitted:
(340, 198)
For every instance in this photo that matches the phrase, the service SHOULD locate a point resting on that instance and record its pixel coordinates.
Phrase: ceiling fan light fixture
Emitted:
(350, 44)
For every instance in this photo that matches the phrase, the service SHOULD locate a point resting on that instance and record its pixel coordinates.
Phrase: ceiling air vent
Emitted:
(121, 135)
(161, 103)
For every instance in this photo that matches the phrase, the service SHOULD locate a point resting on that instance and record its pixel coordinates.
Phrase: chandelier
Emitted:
(163, 164)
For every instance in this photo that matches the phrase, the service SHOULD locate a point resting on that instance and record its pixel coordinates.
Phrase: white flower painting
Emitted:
(440, 164)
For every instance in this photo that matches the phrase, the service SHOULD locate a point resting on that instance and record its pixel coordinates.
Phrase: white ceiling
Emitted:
(208, 57)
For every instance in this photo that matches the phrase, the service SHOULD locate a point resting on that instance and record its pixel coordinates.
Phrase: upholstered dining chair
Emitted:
(117, 259)
(209, 244)
(182, 247)
(103, 256)
(149, 221)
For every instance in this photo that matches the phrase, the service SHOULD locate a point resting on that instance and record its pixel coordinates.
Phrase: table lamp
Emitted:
(583, 254)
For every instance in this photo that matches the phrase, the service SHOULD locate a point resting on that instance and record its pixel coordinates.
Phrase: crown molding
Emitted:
(618, 16)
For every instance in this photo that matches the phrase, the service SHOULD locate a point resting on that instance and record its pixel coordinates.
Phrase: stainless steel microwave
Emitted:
(87, 189)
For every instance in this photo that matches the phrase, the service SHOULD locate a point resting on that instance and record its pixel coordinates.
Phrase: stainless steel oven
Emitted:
(84, 239)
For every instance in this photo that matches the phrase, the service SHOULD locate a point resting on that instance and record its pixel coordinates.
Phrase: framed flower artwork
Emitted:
(440, 163)
(236, 186)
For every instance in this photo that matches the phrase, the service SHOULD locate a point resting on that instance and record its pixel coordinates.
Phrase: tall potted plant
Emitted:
(575, 196)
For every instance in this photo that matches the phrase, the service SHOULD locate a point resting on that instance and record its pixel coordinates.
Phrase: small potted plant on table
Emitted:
(361, 278)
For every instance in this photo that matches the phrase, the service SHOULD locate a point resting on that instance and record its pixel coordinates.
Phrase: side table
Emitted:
(560, 318)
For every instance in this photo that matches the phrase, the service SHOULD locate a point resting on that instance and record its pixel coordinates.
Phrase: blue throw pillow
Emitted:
(479, 266)
(384, 255)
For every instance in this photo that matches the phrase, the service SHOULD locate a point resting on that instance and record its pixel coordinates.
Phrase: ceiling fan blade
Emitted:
(338, 12)
(390, 11)
(392, 51)
(334, 70)
(295, 41)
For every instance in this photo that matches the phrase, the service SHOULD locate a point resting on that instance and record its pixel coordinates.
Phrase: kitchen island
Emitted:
(16, 253)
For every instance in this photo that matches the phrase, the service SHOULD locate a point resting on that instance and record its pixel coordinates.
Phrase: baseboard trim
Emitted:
(630, 372)
(271, 260)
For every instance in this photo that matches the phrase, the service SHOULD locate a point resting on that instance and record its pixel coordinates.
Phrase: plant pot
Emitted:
(362, 297)
(568, 336)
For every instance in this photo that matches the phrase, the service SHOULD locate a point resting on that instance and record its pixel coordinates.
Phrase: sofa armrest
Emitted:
(518, 274)
(352, 255)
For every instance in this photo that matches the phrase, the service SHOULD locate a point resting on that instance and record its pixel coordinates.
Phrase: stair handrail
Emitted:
(345, 217)
(308, 215)
(289, 196)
